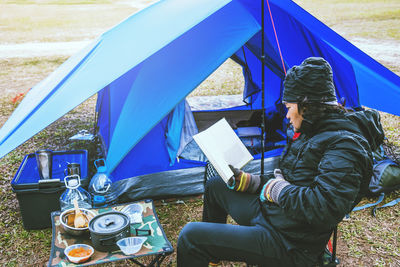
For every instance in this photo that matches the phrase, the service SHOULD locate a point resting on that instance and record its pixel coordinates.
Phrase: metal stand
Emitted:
(262, 87)
(155, 262)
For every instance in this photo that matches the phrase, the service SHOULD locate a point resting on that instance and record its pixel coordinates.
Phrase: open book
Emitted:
(222, 147)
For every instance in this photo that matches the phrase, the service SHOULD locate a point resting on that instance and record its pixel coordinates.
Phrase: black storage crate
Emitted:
(38, 198)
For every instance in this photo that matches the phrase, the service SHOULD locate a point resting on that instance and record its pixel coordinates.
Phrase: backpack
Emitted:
(385, 177)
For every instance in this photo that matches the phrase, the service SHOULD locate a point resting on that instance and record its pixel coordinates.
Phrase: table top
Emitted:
(156, 243)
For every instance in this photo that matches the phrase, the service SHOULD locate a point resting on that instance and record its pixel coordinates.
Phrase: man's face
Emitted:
(294, 116)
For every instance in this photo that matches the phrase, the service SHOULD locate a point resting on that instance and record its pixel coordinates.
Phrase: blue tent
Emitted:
(144, 67)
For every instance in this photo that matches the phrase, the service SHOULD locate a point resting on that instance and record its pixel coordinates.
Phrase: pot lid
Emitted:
(109, 222)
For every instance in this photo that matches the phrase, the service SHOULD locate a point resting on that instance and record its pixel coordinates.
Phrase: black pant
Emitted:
(253, 241)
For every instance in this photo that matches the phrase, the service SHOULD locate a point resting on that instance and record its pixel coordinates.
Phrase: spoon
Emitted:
(80, 220)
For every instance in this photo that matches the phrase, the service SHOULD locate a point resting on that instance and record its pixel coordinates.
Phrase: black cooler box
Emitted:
(38, 198)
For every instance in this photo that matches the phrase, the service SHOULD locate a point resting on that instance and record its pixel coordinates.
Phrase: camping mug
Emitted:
(44, 160)
(73, 169)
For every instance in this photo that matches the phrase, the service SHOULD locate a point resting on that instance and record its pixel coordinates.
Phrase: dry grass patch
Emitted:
(17, 75)
(44, 22)
(369, 18)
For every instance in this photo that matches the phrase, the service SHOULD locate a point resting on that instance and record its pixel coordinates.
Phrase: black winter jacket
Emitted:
(329, 167)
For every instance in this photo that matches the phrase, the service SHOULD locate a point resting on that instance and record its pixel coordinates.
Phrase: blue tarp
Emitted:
(147, 64)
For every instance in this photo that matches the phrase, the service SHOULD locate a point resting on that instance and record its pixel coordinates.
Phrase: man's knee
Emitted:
(190, 251)
(189, 231)
(188, 236)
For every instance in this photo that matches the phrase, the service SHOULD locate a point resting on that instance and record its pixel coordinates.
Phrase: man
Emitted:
(286, 217)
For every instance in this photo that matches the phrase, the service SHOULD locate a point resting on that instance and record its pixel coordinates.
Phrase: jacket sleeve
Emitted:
(335, 188)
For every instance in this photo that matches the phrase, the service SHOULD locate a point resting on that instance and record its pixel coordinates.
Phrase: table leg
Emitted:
(158, 259)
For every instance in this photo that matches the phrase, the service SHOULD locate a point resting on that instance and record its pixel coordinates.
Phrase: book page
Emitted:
(222, 147)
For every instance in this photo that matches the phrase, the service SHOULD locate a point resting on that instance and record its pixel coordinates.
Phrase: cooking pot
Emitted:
(107, 228)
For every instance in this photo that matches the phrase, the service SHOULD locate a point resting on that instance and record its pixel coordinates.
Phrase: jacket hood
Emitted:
(369, 123)
(366, 123)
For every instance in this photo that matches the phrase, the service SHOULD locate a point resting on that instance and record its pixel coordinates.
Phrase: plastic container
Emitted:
(74, 191)
(100, 184)
(131, 245)
(38, 198)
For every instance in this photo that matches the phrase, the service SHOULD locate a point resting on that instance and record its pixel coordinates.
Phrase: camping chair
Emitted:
(328, 257)
(209, 172)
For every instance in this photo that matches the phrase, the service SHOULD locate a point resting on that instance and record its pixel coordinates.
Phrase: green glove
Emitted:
(243, 181)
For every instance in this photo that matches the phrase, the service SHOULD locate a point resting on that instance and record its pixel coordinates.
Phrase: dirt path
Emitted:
(386, 52)
(26, 50)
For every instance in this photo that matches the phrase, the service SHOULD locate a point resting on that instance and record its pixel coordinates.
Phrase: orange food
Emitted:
(79, 252)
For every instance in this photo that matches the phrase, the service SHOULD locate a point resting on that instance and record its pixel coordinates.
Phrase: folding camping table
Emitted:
(156, 245)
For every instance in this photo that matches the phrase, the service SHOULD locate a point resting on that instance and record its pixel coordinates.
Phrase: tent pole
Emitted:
(262, 87)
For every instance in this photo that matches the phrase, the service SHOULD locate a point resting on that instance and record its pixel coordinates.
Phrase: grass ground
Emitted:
(363, 240)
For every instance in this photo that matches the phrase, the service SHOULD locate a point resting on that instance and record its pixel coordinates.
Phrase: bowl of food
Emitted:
(78, 253)
(67, 218)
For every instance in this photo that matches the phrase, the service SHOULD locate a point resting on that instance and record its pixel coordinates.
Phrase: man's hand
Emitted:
(278, 174)
(244, 182)
(271, 189)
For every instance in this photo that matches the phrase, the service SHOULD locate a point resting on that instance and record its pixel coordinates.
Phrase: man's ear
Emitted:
(301, 108)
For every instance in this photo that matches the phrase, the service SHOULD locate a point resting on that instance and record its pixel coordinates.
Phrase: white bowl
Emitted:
(73, 259)
(134, 212)
(131, 245)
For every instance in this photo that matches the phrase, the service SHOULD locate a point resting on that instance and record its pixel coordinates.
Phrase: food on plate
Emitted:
(79, 252)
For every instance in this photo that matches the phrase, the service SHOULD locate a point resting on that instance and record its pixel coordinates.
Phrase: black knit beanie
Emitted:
(310, 82)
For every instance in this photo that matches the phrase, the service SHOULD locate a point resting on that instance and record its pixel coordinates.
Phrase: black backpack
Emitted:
(385, 178)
